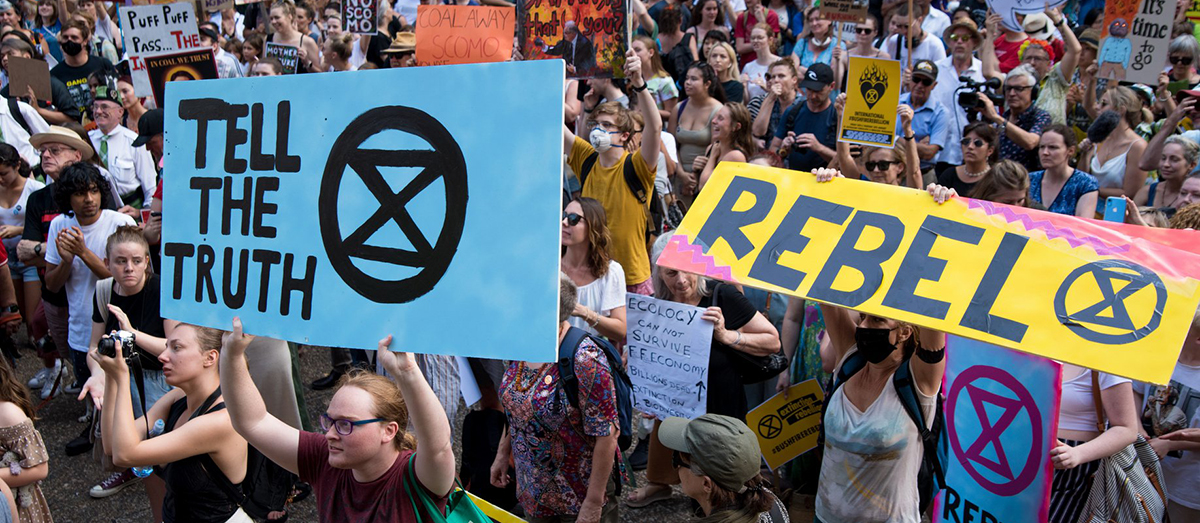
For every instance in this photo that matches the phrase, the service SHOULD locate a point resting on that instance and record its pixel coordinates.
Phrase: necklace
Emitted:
(524, 383)
(969, 174)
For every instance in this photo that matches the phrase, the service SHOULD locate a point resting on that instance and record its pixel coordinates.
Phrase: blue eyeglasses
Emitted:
(344, 426)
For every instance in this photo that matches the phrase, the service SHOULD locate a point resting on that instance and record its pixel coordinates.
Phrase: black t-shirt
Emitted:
(726, 393)
(823, 125)
(75, 79)
(734, 91)
(143, 312)
(40, 210)
(62, 99)
(949, 178)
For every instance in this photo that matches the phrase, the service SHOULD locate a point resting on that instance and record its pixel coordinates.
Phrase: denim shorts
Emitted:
(21, 272)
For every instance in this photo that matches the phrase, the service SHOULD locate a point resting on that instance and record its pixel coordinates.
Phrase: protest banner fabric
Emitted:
(359, 16)
(844, 10)
(1001, 419)
(1009, 9)
(1135, 38)
(464, 34)
(492, 511)
(371, 217)
(288, 55)
(1066, 288)
(789, 426)
(871, 101)
(1193, 12)
(668, 345)
(153, 30)
(186, 66)
(601, 29)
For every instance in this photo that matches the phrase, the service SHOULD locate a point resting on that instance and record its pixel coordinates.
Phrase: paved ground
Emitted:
(70, 478)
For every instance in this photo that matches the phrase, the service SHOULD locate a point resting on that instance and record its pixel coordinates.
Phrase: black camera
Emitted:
(107, 346)
(968, 92)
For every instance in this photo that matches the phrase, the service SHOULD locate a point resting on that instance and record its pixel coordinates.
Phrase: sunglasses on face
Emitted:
(975, 142)
(677, 460)
(1181, 60)
(923, 81)
(572, 218)
(881, 165)
(864, 30)
(959, 37)
(1017, 88)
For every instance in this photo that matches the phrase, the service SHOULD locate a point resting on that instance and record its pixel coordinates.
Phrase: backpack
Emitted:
(657, 214)
(267, 485)
(15, 111)
(679, 59)
(566, 373)
(931, 478)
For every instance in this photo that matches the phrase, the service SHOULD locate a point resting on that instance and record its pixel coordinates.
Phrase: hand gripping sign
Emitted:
(334, 213)
(1066, 288)
(1010, 9)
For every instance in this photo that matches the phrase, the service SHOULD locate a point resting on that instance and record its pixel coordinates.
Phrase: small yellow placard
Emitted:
(788, 425)
(872, 96)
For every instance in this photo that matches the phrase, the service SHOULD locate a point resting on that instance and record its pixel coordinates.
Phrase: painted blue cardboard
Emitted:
(421, 202)
(1001, 419)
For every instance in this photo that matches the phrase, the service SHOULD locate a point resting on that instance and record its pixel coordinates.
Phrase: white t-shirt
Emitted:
(930, 48)
(1167, 409)
(662, 180)
(81, 286)
(936, 22)
(602, 295)
(1077, 411)
(16, 214)
(755, 72)
(869, 472)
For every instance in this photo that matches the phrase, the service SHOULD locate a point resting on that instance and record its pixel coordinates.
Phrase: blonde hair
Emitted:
(1124, 102)
(389, 403)
(731, 73)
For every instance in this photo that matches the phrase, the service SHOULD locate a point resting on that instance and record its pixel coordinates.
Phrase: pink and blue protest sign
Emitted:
(1001, 418)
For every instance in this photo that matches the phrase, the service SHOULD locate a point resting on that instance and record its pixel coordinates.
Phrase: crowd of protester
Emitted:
(214, 424)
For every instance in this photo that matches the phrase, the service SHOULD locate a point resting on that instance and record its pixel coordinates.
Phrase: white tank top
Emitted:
(869, 472)
(1112, 173)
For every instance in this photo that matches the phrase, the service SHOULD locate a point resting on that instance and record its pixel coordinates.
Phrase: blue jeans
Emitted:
(156, 387)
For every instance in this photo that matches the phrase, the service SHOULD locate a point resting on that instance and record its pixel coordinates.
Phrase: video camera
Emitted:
(968, 91)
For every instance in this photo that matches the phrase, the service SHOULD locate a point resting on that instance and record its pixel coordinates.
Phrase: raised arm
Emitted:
(987, 51)
(435, 456)
(277, 440)
(652, 132)
(1071, 46)
(1153, 152)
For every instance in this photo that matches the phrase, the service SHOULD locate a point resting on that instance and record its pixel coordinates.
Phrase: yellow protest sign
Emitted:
(1062, 287)
(872, 96)
(788, 426)
(492, 511)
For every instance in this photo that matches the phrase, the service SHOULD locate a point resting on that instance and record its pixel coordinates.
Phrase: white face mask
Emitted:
(822, 43)
(601, 140)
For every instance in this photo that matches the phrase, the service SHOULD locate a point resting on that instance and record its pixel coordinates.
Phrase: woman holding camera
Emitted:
(129, 301)
(198, 449)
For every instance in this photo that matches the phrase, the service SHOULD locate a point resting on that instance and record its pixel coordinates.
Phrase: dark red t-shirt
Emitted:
(1008, 53)
(341, 498)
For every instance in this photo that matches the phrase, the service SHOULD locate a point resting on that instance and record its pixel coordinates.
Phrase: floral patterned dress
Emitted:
(552, 440)
(22, 445)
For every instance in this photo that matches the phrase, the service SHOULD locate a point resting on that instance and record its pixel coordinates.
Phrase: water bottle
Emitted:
(142, 472)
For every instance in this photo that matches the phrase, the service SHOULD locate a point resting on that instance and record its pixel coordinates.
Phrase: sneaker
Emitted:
(114, 484)
(39, 378)
(81, 444)
(73, 389)
(52, 379)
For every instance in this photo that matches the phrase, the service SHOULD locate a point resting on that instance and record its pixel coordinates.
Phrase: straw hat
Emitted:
(403, 43)
(59, 134)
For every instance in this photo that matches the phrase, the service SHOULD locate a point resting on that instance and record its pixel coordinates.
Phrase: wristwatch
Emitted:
(10, 309)
(37, 249)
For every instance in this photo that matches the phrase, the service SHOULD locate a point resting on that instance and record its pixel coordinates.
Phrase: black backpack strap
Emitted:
(15, 110)
(631, 179)
(566, 362)
(588, 164)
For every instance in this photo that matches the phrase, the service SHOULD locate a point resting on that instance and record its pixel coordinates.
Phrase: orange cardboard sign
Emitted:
(462, 34)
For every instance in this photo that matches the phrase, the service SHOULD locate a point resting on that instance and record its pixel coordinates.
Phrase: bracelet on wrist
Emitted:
(640, 89)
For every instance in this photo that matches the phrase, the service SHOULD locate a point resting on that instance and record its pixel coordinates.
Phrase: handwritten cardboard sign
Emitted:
(373, 216)
(24, 73)
(359, 16)
(1135, 39)
(151, 30)
(669, 346)
(213, 6)
(844, 10)
(463, 34)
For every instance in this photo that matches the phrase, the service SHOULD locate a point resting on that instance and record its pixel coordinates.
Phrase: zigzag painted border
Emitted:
(702, 263)
(1051, 231)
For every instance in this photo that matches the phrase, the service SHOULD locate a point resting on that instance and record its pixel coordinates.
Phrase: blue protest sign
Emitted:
(335, 209)
(1001, 417)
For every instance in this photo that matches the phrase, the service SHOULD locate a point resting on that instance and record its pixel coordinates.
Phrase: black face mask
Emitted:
(874, 343)
(71, 48)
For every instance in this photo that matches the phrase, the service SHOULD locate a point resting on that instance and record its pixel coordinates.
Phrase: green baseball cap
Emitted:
(721, 447)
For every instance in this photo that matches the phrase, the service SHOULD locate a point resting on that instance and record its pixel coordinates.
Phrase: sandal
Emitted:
(639, 499)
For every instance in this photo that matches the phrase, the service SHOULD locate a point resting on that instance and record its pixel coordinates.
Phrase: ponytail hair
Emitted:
(756, 499)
